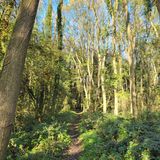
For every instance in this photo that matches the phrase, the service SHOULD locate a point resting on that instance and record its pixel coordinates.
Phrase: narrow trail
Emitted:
(75, 149)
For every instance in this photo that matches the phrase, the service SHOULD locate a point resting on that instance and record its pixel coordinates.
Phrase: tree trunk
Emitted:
(132, 86)
(58, 76)
(114, 61)
(141, 99)
(60, 25)
(11, 74)
(116, 107)
(131, 60)
(103, 85)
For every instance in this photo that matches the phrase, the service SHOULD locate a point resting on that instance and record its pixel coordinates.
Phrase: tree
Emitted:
(48, 21)
(12, 70)
(6, 10)
(60, 25)
(158, 5)
(59, 47)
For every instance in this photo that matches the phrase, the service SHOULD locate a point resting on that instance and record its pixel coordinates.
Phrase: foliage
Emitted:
(45, 140)
(93, 146)
(88, 121)
(68, 116)
(86, 61)
(123, 138)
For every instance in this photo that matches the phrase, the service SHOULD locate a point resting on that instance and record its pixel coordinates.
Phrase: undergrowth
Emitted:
(118, 138)
(41, 141)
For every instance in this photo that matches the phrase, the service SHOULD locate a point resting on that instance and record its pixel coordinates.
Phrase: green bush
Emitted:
(45, 141)
(67, 117)
(93, 146)
(119, 138)
(88, 121)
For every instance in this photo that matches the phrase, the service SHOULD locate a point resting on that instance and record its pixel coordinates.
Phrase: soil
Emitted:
(75, 149)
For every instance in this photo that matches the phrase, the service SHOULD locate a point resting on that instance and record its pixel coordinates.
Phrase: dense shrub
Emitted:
(67, 117)
(88, 121)
(93, 146)
(42, 141)
(119, 138)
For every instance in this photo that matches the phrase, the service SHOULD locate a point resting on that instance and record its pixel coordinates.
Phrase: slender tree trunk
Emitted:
(155, 79)
(130, 52)
(11, 74)
(89, 76)
(148, 88)
(103, 85)
(122, 105)
(87, 98)
(98, 79)
(132, 86)
(114, 61)
(60, 47)
(141, 98)
(131, 62)
(120, 70)
(116, 108)
(60, 25)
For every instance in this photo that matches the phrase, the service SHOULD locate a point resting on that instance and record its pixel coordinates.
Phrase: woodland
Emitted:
(79, 79)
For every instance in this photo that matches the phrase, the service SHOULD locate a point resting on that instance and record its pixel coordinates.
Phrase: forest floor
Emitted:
(75, 149)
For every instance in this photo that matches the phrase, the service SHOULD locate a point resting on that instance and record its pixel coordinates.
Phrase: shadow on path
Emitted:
(75, 149)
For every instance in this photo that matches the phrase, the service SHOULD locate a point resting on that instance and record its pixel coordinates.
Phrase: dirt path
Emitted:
(75, 149)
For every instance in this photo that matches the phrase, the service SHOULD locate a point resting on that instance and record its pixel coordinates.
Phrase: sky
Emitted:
(43, 8)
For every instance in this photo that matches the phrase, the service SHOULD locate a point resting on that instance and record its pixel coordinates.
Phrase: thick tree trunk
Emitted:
(12, 70)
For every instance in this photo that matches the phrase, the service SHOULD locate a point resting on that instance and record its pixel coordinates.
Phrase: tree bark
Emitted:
(116, 104)
(11, 74)
(103, 85)
(131, 60)
(60, 25)
(114, 61)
